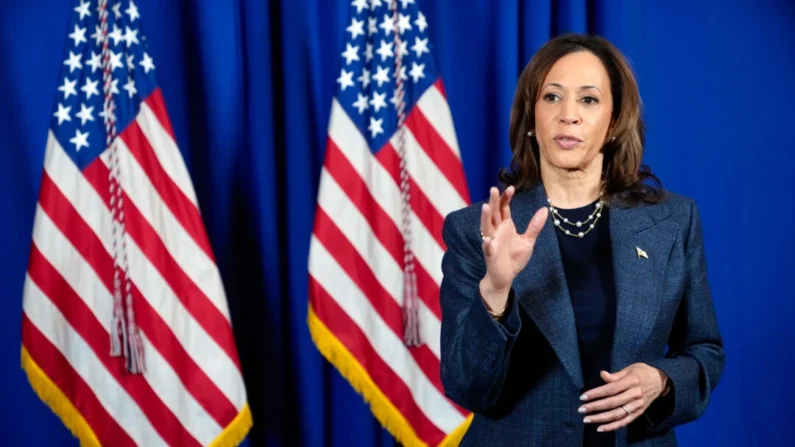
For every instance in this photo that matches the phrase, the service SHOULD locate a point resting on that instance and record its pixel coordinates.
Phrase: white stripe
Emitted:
(113, 398)
(197, 343)
(435, 406)
(382, 186)
(333, 200)
(436, 110)
(166, 151)
(427, 176)
(191, 259)
(82, 278)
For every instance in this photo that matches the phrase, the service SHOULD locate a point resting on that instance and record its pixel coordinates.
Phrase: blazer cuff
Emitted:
(496, 333)
(667, 411)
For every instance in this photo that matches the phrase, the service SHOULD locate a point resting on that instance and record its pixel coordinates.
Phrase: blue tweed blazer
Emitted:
(522, 376)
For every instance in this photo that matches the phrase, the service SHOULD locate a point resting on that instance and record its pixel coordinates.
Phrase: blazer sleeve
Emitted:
(475, 349)
(695, 359)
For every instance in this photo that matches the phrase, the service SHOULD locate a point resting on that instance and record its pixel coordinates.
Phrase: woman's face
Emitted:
(573, 112)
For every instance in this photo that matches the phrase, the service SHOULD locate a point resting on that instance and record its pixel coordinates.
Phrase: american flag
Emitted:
(392, 172)
(125, 329)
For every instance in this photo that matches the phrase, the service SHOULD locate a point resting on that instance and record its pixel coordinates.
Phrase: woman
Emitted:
(594, 325)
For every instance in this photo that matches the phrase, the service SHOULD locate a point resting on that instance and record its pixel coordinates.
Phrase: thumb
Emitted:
(612, 377)
(536, 224)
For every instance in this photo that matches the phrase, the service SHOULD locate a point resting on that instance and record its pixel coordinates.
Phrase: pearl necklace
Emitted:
(560, 220)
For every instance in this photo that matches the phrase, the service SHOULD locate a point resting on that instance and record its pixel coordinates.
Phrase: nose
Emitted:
(570, 113)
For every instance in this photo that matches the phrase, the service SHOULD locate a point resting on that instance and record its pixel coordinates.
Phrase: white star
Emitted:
(97, 36)
(406, 3)
(385, 51)
(95, 63)
(78, 35)
(73, 62)
(403, 23)
(63, 113)
(420, 46)
(387, 25)
(130, 63)
(361, 103)
(364, 78)
(360, 5)
(132, 11)
(395, 98)
(130, 87)
(356, 27)
(346, 79)
(375, 4)
(378, 101)
(382, 75)
(117, 10)
(107, 111)
(116, 35)
(85, 114)
(417, 71)
(80, 139)
(115, 60)
(403, 48)
(420, 22)
(350, 54)
(130, 36)
(401, 73)
(375, 126)
(68, 88)
(147, 63)
(372, 26)
(368, 51)
(83, 9)
(90, 88)
(114, 87)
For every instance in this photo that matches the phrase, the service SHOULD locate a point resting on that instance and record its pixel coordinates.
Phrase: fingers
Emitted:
(486, 226)
(612, 377)
(609, 403)
(612, 388)
(536, 224)
(505, 200)
(617, 418)
(494, 206)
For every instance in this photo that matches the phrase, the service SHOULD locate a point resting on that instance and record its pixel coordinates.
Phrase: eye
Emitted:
(551, 97)
(590, 100)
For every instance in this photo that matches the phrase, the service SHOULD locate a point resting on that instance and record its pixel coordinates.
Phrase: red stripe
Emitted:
(392, 386)
(192, 298)
(425, 211)
(83, 321)
(53, 363)
(184, 210)
(438, 151)
(195, 380)
(440, 85)
(158, 105)
(357, 269)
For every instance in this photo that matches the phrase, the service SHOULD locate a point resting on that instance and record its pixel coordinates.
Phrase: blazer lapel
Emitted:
(541, 286)
(640, 254)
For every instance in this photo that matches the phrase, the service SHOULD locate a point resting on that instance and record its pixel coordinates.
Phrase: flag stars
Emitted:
(379, 101)
(130, 87)
(417, 71)
(147, 63)
(82, 9)
(131, 11)
(350, 54)
(90, 88)
(130, 36)
(115, 60)
(117, 10)
(116, 34)
(78, 35)
(130, 62)
(360, 5)
(368, 52)
(361, 103)
(356, 28)
(403, 48)
(401, 74)
(372, 25)
(381, 75)
(345, 80)
(95, 63)
(364, 78)
(68, 88)
(375, 4)
(79, 140)
(376, 126)
(406, 3)
(73, 62)
(385, 51)
(420, 46)
(420, 22)
(85, 114)
(387, 24)
(62, 113)
(404, 23)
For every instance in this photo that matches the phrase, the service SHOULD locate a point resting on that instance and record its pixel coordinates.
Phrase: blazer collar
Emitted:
(544, 293)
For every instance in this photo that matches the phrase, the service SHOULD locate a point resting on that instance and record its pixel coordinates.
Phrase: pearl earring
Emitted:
(530, 134)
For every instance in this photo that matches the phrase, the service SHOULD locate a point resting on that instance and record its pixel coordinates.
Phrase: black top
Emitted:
(588, 263)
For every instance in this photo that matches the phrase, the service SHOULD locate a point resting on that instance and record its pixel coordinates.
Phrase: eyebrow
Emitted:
(584, 87)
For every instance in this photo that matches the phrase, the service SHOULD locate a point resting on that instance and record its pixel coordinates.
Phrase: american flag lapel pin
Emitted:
(641, 253)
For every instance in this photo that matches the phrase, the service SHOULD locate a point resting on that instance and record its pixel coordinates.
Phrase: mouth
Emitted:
(567, 141)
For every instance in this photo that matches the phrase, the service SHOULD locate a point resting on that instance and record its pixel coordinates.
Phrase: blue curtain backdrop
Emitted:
(248, 85)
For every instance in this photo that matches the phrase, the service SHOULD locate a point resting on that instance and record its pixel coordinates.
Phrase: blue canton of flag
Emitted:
(79, 111)
(366, 84)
